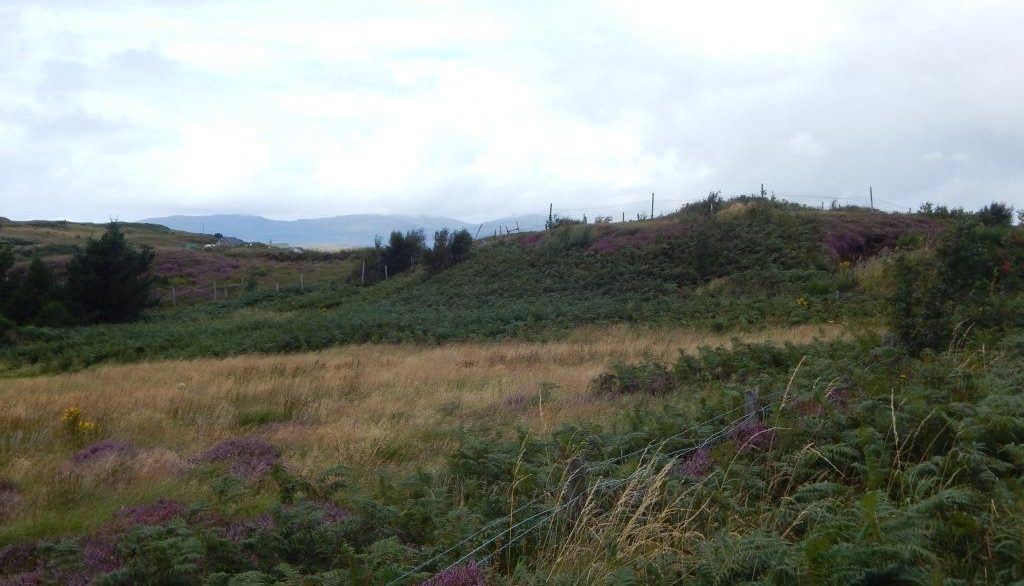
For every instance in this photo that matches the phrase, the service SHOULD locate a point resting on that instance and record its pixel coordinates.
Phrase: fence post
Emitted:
(362, 277)
(302, 283)
(752, 406)
(174, 299)
(215, 290)
(575, 486)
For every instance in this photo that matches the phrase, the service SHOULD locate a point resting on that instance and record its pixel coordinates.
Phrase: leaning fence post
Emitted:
(575, 486)
(752, 406)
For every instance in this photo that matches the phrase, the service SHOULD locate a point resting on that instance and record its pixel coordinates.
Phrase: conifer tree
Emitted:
(108, 281)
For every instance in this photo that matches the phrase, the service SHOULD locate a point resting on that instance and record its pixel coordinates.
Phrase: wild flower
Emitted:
(250, 458)
(753, 435)
(103, 449)
(697, 465)
(75, 428)
(802, 301)
(467, 574)
(158, 513)
(71, 417)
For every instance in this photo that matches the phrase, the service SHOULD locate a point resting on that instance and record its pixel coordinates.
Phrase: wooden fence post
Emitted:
(575, 486)
(752, 406)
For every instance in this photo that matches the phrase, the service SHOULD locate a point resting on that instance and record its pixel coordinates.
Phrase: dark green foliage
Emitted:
(449, 248)
(919, 316)
(758, 238)
(35, 297)
(996, 214)
(108, 281)
(976, 280)
(403, 250)
(647, 376)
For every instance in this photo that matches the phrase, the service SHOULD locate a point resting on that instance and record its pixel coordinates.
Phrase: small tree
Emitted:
(996, 214)
(449, 248)
(403, 250)
(6, 283)
(32, 292)
(108, 281)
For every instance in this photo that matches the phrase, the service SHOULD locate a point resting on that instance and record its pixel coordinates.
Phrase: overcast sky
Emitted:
(484, 109)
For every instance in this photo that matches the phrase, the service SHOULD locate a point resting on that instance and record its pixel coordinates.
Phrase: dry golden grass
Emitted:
(375, 408)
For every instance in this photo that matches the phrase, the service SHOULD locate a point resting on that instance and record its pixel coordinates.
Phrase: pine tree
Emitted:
(108, 281)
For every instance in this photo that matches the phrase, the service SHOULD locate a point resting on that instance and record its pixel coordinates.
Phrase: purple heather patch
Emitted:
(753, 435)
(161, 512)
(18, 558)
(838, 397)
(467, 574)
(103, 449)
(697, 465)
(250, 458)
(243, 529)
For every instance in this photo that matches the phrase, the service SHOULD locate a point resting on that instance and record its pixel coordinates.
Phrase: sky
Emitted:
(479, 110)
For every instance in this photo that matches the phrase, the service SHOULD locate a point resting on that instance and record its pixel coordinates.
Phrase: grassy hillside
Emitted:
(748, 267)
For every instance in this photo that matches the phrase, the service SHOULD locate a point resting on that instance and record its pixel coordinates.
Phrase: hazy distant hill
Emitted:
(343, 231)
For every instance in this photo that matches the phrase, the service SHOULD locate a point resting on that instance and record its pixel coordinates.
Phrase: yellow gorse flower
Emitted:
(71, 414)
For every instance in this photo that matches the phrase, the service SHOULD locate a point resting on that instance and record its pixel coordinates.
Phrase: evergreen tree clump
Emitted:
(108, 281)
(34, 291)
(449, 248)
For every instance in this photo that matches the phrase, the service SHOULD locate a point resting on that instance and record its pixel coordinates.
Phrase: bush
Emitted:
(646, 376)
(449, 248)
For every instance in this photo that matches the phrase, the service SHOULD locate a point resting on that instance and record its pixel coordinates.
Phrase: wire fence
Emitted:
(543, 516)
(643, 209)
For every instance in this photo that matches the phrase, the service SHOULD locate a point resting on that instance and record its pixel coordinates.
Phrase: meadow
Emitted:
(378, 409)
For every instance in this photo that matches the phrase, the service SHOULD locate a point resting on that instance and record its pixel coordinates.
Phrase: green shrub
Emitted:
(646, 376)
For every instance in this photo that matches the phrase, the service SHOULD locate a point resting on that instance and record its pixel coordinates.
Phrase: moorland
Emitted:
(745, 391)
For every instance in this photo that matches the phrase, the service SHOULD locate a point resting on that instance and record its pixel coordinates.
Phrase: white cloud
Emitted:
(804, 144)
(487, 109)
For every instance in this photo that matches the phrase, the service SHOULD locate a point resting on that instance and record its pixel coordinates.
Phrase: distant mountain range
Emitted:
(338, 231)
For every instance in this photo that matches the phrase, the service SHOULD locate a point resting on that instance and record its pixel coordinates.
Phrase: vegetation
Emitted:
(643, 447)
